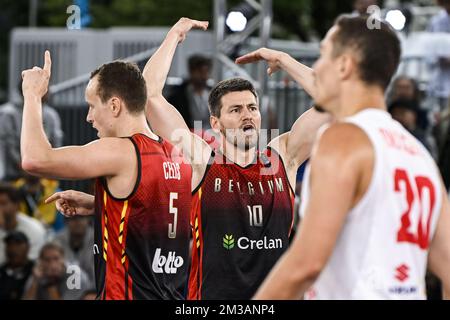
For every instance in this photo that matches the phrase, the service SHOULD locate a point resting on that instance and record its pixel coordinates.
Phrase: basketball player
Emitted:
(142, 197)
(375, 210)
(242, 210)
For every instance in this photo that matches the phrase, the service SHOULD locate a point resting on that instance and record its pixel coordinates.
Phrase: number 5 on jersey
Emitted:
(172, 232)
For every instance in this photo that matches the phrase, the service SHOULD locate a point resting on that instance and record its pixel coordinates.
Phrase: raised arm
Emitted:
(294, 146)
(164, 118)
(99, 158)
(279, 60)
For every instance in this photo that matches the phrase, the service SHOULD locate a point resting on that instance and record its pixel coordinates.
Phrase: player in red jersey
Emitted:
(242, 211)
(142, 196)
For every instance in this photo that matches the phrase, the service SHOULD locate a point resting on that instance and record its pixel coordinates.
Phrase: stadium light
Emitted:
(396, 19)
(236, 21)
(238, 16)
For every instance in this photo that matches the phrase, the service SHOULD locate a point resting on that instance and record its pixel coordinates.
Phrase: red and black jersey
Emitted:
(241, 219)
(142, 242)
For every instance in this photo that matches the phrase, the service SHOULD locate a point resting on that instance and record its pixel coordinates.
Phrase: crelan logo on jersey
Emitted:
(245, 243)
(228, 242)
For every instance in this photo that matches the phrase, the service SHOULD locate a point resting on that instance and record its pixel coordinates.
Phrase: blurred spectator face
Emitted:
(8, 207)
(17, 253)
(403, 88)
(77, 226)
(361, 6)
(53, 265)
(405, 116)
(200, 76)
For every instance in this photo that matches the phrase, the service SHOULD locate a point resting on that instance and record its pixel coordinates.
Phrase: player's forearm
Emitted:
(157, 68)
(287, 281)
(301, 73)
(34, 146)
(303, 134)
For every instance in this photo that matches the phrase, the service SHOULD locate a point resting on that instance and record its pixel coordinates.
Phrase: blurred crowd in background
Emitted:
(46, 256)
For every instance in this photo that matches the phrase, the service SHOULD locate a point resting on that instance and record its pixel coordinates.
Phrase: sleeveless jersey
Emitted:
(241, 218)
(142, 242)
(382, 250)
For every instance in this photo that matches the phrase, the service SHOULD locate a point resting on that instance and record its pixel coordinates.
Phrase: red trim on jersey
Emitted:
(196, 272)
(115, 221)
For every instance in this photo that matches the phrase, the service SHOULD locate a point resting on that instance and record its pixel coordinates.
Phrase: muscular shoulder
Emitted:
(343, 146)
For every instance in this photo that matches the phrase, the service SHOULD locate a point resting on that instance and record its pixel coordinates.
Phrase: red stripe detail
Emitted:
(115, 270)
(196, 274)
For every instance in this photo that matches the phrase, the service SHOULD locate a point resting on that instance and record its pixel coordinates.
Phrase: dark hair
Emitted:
(379, 48)
(51, 246)
(404, 104)
(197, 61)
(224, 87)
(122, 79)
(12, 193)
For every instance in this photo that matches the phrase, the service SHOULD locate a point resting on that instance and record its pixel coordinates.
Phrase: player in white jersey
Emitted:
(375, 210)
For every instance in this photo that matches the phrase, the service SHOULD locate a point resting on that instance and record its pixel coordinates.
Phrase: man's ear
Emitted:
(116, 106)
(215, 123)
(346, 66)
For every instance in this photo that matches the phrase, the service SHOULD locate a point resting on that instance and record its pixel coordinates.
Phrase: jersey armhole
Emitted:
(138, 177)
(284, 168)
(208, 166)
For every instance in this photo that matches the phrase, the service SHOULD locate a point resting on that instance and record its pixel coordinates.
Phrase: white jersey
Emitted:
(382, 250)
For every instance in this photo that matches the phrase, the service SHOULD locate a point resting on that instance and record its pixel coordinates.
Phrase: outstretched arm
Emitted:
(294, 146)
(164, 118)
(279, 60)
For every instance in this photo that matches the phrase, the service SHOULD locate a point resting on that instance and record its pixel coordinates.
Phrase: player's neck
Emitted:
(239, 156)
(134, 125)
(357, 97)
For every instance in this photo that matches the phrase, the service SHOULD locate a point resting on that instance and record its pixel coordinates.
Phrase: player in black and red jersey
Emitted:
(143, 186)
(242, 211)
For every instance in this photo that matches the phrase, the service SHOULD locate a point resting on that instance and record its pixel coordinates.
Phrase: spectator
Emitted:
(191, 97)
(13, 220)
(360, 6)
(439, 86)
(10, 126)
(33, 192)
(52, 280)
(406, 88)
(406, 112)
(77, 241)
(17, 269)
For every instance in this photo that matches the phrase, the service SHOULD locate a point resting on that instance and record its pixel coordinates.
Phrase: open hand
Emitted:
(269, 55)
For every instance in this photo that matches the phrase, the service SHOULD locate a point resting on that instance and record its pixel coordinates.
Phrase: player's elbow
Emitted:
(34, 166)
(308, 272)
